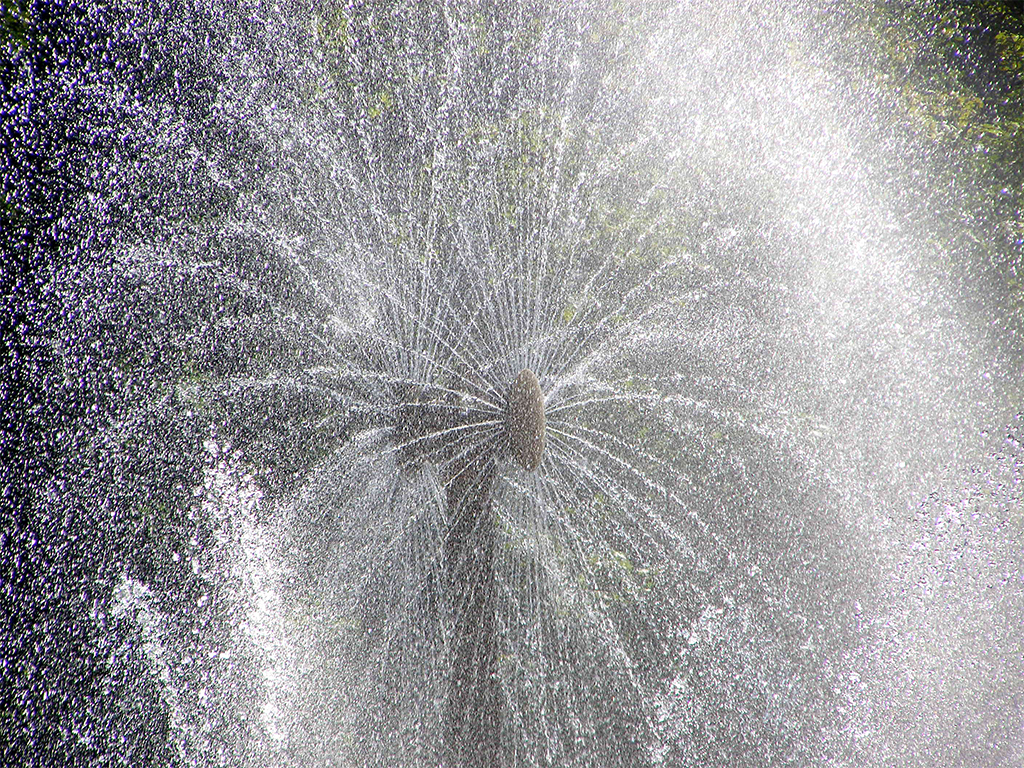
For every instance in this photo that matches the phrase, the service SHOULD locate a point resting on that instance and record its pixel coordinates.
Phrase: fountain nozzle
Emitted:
(524, 420)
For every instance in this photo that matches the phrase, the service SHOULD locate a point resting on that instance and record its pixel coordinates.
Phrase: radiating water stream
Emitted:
(777, 520)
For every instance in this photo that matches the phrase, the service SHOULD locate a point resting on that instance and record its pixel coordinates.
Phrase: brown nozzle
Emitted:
(524, 420)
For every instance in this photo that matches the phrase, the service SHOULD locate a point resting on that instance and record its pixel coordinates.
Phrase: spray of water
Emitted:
(512, 385)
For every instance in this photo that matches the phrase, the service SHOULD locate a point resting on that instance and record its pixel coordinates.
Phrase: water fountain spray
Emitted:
(471, 728)
(300, 497)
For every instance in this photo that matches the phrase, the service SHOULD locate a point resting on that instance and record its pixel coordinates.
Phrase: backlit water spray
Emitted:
(504, 384)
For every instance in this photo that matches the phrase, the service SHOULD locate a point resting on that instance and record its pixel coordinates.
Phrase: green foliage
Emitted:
(950, 75)
(15, 25)
(955, 78)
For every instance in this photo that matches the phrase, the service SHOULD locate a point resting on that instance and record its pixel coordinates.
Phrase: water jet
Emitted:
(303, 499)
(472, 714)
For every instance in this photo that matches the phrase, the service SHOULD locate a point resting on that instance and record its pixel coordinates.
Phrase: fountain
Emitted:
(501, 384)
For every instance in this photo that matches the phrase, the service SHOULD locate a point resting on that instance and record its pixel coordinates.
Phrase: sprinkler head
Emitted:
(524, 420)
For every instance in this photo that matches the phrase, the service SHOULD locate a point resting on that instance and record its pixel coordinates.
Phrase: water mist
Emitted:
(505, 384)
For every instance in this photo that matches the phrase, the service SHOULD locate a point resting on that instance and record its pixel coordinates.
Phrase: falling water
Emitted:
(777, 517)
